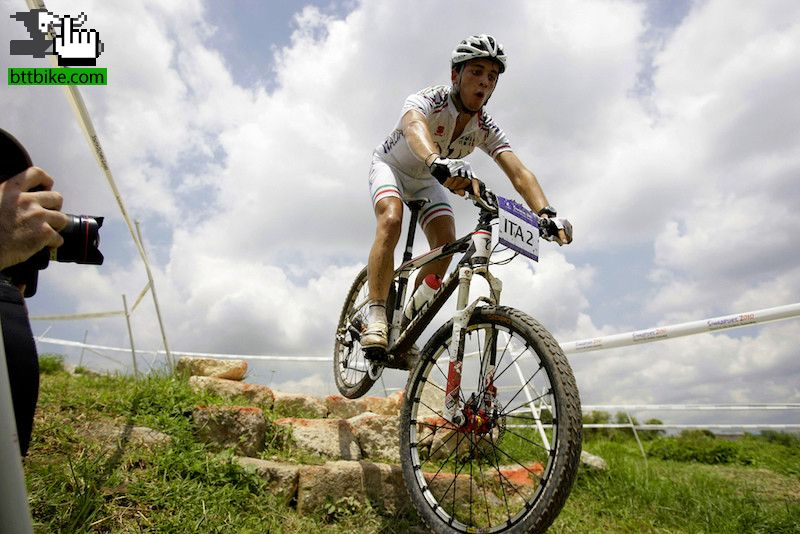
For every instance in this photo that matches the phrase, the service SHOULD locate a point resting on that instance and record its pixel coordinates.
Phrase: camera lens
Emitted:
(81, 240)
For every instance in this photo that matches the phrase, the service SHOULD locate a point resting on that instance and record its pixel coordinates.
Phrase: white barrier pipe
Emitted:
(753, 426)
(691, 407)
(617, 340)
(683, 329)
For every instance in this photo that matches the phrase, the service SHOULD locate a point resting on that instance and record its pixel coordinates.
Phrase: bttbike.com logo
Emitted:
(65, 37)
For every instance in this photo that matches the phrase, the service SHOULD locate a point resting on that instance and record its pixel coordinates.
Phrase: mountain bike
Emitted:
(490, 428)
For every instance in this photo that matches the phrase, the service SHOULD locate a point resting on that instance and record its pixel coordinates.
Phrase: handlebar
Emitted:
(487, 201)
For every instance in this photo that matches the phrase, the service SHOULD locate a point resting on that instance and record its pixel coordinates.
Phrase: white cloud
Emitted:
(255, 206)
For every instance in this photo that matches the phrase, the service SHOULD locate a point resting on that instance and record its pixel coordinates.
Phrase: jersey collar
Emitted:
(452, 109)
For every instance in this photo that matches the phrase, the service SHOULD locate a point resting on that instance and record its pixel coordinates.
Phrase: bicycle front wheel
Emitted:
(509, 463)
(349, 364)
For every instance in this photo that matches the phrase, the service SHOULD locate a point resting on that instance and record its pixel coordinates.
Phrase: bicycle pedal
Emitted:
(376, 354)
(404, 362)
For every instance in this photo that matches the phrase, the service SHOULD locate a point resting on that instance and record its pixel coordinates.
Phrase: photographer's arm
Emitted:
(29, 220)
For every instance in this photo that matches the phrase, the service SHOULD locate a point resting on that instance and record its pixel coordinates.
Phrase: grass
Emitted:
(76, 485)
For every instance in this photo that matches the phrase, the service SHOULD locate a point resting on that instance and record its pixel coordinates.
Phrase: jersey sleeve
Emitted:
(496, 141)
(425, 101)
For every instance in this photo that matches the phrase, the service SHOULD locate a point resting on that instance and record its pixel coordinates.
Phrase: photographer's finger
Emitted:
(55, 240)
(57, 220)
(35, 178)
(51, 200)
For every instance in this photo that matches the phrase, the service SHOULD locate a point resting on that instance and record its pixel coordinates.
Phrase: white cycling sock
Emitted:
(376, 312)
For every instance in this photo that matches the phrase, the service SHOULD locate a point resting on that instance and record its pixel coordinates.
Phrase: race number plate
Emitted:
(518, 228)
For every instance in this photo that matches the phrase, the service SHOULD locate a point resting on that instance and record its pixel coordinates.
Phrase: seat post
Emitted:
(415, 206)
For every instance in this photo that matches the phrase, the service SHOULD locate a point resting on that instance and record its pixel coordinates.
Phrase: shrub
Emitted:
(781, 438)
(50, 364)
(651, 434)
(699, 446)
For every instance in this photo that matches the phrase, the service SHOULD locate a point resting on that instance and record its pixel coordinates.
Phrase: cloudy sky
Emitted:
(239, 133)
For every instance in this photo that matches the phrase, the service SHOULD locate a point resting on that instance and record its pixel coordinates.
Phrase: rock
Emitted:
(230, 369)
(377, 435)
(111, 435)
(384, 486)
(342, 408)
(321, 484)
(256, 393)
(299, 405)
(280, 477)
(381, 484)
(332, 438)
(593, 462)
(385, 405)
(242, 428)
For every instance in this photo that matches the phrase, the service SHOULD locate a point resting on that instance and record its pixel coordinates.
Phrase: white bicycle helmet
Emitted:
(479, 46)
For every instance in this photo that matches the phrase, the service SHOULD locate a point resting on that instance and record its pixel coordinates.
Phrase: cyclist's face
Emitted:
(476, 81)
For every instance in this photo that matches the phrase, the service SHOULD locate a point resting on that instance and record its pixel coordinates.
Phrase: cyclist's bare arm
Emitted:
(418, 136)
(526, 184)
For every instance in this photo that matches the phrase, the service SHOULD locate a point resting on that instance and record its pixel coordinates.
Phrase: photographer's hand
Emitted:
(29, 220)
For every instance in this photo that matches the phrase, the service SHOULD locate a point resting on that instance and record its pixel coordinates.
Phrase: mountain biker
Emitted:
(439, 125)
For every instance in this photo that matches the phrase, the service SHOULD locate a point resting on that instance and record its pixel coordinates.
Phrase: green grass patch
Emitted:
(691, 483)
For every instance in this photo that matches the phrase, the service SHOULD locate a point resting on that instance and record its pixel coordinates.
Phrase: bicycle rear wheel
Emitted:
(510, 465)
(349, 363)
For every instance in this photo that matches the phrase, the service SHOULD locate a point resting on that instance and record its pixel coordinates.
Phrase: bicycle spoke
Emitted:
(528, 440)
(527, 403)
(516, 359)
(521, 389)
(525, 467)
(445, 442)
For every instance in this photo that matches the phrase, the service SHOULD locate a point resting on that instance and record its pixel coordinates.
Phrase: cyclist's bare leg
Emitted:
(380, 269)
(439, 231)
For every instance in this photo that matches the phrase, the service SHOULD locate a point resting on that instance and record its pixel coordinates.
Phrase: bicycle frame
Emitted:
(477, 248)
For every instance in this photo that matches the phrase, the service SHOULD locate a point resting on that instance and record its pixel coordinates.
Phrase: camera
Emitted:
(81, 241)
(81, 234)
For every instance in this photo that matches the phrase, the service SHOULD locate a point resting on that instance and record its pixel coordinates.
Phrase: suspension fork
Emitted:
(478, 263)
(461, 318)
(460, 321)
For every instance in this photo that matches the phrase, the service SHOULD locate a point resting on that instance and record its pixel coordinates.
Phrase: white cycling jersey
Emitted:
(440, 110)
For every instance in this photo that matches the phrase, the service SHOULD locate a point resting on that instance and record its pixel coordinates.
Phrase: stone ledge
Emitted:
(230, 369)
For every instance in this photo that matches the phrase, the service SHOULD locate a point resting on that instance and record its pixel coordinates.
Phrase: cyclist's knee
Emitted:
(390, 222)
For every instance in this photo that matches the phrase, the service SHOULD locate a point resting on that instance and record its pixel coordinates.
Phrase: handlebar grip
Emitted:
(440, 172)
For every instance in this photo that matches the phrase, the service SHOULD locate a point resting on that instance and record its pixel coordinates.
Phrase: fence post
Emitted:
(83, 349)
(130, 335)
(15, 516)
(636, 435)
(155, 297)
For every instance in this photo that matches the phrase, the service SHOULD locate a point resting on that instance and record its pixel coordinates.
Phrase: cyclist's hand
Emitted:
(454, 174)
(442, 168)
(558, 230)
(460, 186)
